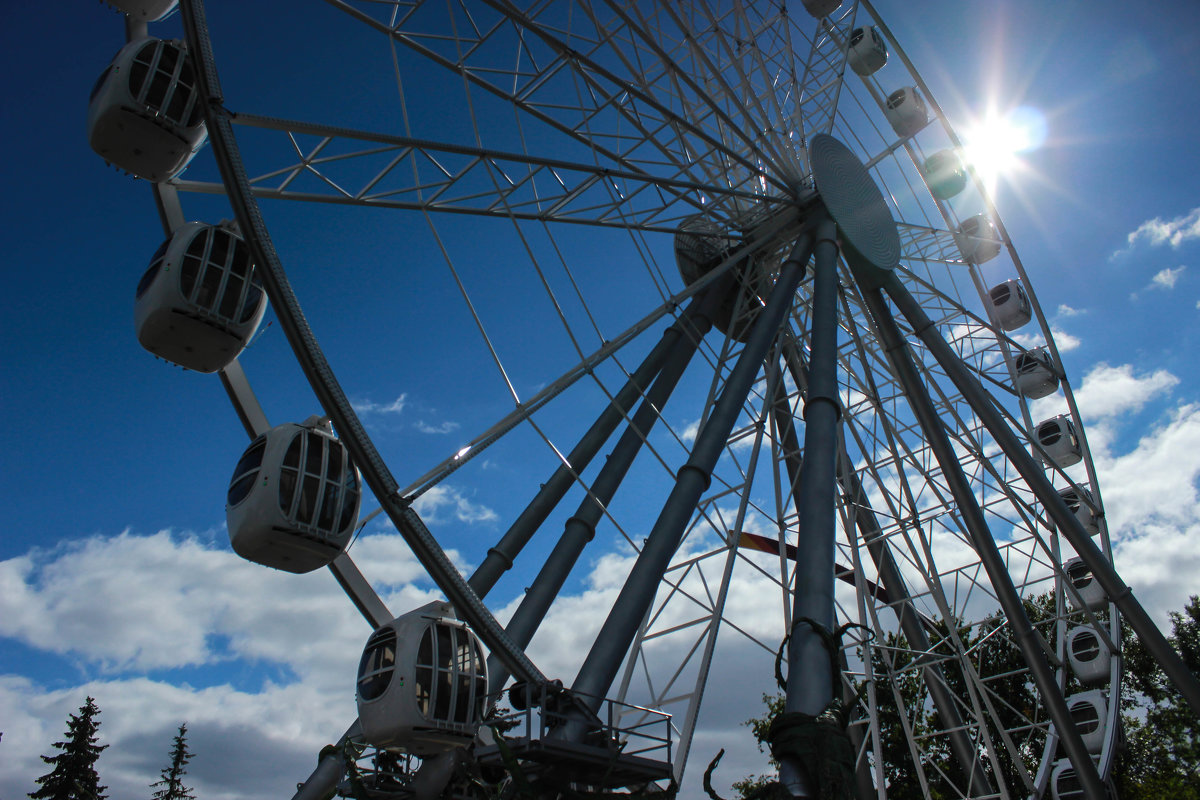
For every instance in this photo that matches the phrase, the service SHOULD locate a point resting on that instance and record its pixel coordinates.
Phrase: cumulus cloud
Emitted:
(1157, 232)
(227, 732)
(1065, 310)
(1152, 510)
(445, 427)
(1149, 486)
(443, 503)
(1166, 278)
(169, 628)
(131, 611)
(1109, 391)
(1064, 341)
(372, 407)
(171, 601)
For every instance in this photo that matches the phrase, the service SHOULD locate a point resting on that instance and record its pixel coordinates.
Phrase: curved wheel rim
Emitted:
(703, 159)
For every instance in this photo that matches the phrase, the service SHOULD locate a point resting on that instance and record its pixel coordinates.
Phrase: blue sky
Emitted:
(116, 577)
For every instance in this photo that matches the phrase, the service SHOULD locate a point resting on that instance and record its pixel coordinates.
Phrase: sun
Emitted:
(994, 145)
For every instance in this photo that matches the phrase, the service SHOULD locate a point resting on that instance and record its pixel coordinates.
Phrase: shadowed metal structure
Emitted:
(918, 556)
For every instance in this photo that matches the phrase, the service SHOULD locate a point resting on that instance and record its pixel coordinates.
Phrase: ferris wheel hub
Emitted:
(868, 232)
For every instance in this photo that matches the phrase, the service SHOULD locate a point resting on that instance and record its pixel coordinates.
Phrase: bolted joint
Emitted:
(705, 474)
(822, 398)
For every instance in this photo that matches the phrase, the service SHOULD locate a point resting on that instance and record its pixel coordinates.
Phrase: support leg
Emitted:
(985, 546)
(1068, 525)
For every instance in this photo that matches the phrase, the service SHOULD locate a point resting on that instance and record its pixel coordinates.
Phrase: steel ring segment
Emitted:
(870, 242)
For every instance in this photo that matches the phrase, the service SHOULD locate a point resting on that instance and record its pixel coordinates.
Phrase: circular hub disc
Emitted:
(856, 205)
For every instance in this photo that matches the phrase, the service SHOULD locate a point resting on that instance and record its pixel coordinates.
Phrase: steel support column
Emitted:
(500, 558)
(581, 527)
(810, 682)
(612, 642)
(1068, 524)
(963, 749)
(981, 538)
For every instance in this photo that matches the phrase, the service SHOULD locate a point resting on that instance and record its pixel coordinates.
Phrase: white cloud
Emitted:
(688, 434)
(174, 601)
(1064, 341)
(1173, 232)
(126, 609)
(445, 427)
(1153, 512)
(442, 500)
(1157, 232)
(226, 733)
(1109, 391)
(1065, 310)
(1166, 278)
(371, 407)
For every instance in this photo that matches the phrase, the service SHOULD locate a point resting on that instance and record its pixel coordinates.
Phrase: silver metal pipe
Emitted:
(604, 659)
(989, 554)
(500, 558)
(1068, 524)
(963, 749)
(581, 526)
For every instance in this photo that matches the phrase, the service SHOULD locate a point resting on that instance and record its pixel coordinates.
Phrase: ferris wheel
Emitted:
(731, 312)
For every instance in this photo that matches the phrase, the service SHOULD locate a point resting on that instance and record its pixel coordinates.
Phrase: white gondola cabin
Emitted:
(1091, 594)
(944, 174)
(145, 115)
(1010, 305)
(1035, 373)
(821, 8)
(293, 499)
(422, 682)
(1088, 654)
(144, 10)
(905, 111)
(1064, 783)
(978, 239)
(1059, 442)
(1089, 710)
(867, 52)
(1080, 503)
(199, 302)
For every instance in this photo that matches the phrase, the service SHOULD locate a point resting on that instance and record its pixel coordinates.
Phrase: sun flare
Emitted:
(993, 147)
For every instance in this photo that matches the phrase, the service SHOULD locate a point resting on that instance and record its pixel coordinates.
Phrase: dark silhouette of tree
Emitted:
(74, 774)
(903, 704)
(171, 782)
(1161, 758)
(1162, 755)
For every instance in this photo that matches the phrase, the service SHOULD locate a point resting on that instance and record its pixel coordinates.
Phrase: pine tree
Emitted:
(74, 775)
(171, 784)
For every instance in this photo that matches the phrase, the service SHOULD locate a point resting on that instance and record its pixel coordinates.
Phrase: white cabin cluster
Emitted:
(1089, 657)
(199, 301)
(422, 683)
(293, 499)
(144, 115)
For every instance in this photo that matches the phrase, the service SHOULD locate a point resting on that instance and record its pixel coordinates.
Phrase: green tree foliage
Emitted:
(73, 776)
(171, 786)
(1162, 755)
(760, 726)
